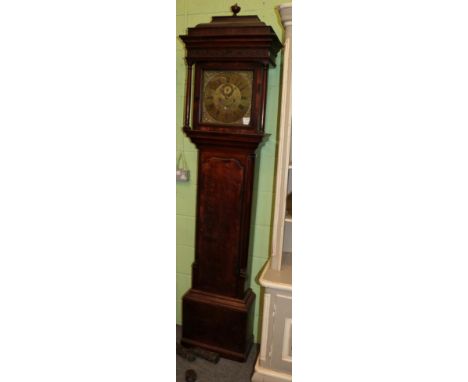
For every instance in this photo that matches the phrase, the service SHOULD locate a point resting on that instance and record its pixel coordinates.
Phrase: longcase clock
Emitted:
(229, 60)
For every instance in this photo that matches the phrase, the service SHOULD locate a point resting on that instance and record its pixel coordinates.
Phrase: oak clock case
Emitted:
(229, 59)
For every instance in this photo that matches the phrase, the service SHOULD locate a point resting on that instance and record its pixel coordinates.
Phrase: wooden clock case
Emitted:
(217, 312)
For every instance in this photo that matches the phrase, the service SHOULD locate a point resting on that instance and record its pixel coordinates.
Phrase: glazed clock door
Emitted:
(228, 97)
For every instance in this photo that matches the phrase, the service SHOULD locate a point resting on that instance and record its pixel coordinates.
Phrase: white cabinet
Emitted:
(274, 363)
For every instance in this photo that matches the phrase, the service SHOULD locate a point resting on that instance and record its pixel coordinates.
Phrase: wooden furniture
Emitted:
(231, 55)
(274, 363)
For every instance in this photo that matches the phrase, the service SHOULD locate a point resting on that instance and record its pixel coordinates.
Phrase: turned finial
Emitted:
(235, 9)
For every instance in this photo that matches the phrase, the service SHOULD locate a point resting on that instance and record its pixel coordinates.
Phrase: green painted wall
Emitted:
(189, 14)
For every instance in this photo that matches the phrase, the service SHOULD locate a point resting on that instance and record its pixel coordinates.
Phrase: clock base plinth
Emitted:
(218, 323)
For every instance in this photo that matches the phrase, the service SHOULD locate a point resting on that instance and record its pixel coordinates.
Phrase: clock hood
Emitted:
(240, 38)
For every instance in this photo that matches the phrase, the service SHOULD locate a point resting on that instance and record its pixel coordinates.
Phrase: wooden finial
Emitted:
(235, 9)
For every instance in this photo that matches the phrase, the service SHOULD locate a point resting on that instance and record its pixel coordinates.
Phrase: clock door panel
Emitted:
(219, 222)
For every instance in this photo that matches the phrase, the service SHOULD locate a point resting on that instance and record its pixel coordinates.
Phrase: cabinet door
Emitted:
(281, 355)
(276, 345)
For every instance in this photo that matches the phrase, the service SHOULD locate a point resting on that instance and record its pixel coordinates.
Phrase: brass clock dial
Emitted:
(227, 97)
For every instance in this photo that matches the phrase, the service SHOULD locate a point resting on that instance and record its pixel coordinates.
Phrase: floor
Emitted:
(224, 371)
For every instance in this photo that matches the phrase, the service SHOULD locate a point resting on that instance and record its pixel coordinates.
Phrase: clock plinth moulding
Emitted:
(231, 56)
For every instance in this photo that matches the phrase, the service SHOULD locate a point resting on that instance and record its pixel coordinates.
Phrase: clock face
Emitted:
(227, 97)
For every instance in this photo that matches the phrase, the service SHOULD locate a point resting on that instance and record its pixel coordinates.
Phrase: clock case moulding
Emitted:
(217, 312)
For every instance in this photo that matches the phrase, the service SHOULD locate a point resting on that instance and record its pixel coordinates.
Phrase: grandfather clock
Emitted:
(230, 56)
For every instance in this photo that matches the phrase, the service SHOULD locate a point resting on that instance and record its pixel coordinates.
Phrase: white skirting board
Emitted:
(266, 375)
